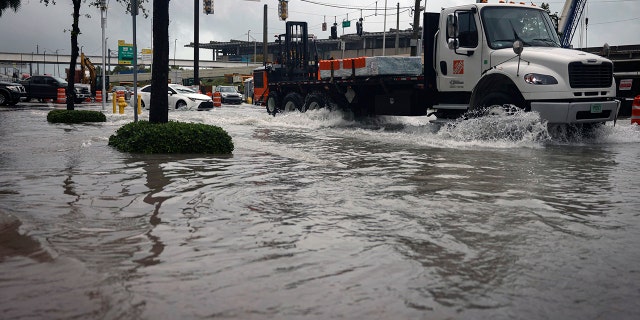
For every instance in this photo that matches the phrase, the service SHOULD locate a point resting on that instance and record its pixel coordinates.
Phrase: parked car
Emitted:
(43, 87)
(180, 98)
(10, 93)
(229, 94)
(123, 90)
(83, 92)
(46, 87)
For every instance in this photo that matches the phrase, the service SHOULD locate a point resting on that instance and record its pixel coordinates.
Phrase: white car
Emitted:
(180, 98)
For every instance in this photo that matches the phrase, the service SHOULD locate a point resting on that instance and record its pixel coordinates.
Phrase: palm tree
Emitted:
(9, 4)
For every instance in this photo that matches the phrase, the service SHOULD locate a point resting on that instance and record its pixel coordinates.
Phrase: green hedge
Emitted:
(171, 137)
(75, 116)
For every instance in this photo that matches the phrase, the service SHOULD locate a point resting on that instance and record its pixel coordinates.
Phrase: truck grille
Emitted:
(590, 75)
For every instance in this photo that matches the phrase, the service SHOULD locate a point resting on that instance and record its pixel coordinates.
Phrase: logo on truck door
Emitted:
(458, 66)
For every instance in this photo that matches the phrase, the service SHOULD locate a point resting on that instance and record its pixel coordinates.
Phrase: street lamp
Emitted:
(57, 62)
(174, 52)
(103, 24)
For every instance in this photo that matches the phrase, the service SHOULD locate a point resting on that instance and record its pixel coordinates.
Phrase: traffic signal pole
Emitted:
(416, 27)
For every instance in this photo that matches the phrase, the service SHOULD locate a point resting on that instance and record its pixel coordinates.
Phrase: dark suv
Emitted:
(10, 93)
(46, 87)
(43, 87)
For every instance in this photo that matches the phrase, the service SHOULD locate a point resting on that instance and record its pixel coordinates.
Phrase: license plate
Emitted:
(596, 108)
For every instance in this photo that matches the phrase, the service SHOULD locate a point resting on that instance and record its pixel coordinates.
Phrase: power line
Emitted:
(615, 21)
(366, 8)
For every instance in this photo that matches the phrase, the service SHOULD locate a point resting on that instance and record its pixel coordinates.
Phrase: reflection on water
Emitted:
(320, 215)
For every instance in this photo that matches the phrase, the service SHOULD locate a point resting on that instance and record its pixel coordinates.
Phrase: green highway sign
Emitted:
(125, 52)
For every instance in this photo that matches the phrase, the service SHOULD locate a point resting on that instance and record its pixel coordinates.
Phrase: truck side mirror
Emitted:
(518, 46)
(453, 44)
(452, 25)
(452, 31)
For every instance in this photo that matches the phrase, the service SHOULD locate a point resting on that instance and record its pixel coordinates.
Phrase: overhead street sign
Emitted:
(125, 52)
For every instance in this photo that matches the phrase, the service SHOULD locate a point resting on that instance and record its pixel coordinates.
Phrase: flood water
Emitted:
(321, 216)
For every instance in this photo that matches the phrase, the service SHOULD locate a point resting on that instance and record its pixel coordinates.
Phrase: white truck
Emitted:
(496, 54)
(476, 56)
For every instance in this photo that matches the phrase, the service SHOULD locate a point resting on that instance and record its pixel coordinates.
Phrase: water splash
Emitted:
(517, 127)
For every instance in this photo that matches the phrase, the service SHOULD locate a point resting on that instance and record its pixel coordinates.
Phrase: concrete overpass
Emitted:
(8, 59)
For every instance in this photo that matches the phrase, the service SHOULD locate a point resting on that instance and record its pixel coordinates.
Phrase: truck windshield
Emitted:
(504, 25)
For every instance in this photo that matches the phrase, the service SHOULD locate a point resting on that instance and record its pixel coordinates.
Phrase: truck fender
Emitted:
(495, 89)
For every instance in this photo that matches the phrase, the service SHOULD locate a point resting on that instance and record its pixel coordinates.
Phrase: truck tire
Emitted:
(315, 101)
(273, 103)
(4, 98)
(503, 100)
(293, 101)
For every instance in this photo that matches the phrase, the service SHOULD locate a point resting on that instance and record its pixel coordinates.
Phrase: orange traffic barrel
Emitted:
(217, 99)
(635, 111)
(61, 96)
(99, 96)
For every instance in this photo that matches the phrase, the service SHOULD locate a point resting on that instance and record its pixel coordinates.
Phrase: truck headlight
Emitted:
(536, 78)
(14, 88)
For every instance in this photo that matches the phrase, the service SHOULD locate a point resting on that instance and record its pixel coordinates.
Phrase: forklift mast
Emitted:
(299, 62)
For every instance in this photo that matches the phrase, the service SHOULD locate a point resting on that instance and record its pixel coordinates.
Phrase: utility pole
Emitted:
(196, 43)
(103, 25)
(416, 26)
(397, 28)
(265, 46)
(384, 32)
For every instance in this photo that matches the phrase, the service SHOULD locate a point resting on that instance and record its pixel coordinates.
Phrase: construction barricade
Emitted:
(61, 98)
(217, 99)
(635, 111)
(99, 96)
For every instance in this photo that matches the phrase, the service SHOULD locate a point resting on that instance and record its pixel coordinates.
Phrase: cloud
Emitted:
(36, 27)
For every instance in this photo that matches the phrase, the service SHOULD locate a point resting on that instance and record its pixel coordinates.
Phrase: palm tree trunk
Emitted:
(71, 77)
(159, 102)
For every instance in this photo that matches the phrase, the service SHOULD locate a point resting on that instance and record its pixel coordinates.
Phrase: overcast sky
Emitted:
(36, 27)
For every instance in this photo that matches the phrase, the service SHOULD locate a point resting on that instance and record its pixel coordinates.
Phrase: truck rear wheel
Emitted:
(292, 102)
(315, 101)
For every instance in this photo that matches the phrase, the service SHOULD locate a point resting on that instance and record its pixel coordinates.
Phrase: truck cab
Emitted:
(509, 54)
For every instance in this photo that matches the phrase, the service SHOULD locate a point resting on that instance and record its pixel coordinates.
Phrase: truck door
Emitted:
(459, 57)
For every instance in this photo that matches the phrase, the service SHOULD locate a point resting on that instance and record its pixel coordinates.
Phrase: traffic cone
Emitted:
(635, 111)
(61, 96)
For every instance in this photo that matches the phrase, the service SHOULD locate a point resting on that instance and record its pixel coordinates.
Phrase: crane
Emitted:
(571, 14)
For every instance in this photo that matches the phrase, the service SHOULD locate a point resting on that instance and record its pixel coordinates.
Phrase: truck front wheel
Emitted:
(273, 103)
(497, 102)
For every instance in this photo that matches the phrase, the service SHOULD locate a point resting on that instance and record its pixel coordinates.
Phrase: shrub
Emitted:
(171, 137)
(75, 116)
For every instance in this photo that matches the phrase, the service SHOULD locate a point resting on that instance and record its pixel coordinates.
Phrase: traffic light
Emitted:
(207, 6)
(359, 27)
(324, 26)
(334, 31)
(283, 10)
